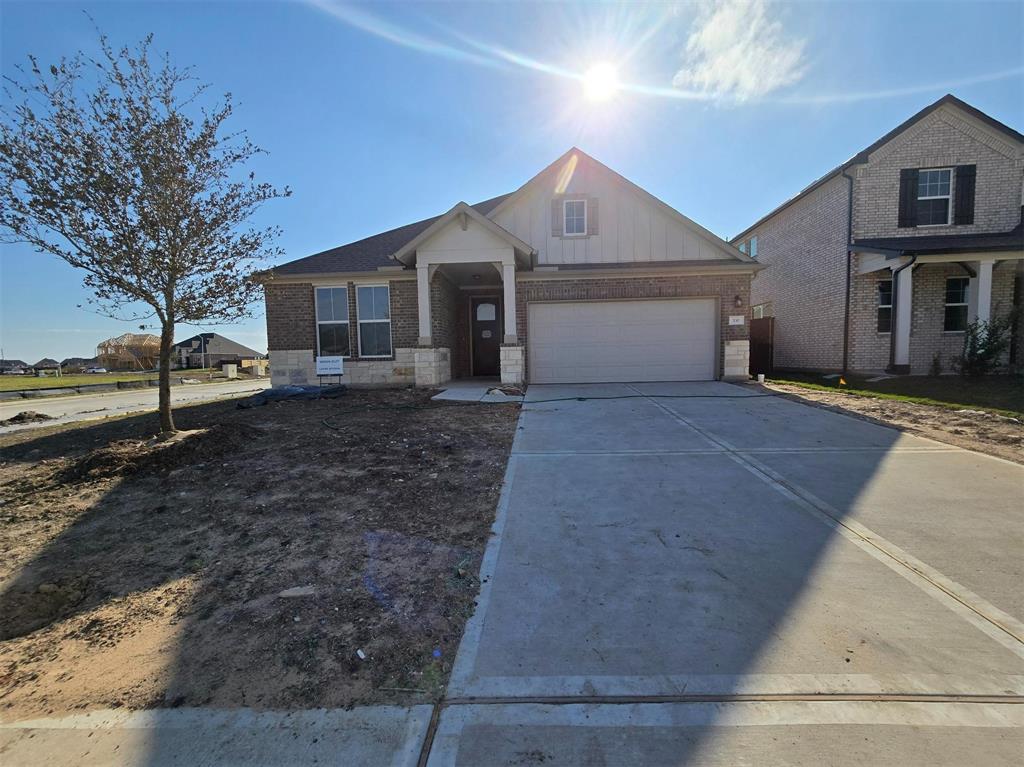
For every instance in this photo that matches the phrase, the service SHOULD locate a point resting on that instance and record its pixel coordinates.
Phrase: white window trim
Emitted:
(566, 218)
(892, 287)
(947, 197)
(359, 324)
(346, 321)
(960, 303)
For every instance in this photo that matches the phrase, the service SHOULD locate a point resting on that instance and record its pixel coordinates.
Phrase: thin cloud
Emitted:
(737, 52)
(734, 53)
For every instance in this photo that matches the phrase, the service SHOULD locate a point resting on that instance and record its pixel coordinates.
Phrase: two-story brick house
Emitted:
(881, 263)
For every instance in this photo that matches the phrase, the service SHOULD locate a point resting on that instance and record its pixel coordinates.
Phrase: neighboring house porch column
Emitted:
(979, 292)
(903, 291)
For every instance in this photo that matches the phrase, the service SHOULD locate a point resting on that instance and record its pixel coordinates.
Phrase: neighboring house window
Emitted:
(752, 250)
(760, 311)
(743, 247)
(332, 322)
(933, 196)
(955, 320)
(575, 217)
(373, 306)
(884, 306)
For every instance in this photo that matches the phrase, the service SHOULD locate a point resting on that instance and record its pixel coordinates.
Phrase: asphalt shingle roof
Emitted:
(368, 254)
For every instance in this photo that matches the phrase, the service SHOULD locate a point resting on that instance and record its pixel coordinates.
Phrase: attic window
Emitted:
(575, 217)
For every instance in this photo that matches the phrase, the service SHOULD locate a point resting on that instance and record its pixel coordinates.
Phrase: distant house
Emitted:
(78, 364)
(212, 350)
(46, 364)
(8, 366)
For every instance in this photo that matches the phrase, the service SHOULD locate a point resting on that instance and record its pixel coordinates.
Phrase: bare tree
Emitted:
(113, 165)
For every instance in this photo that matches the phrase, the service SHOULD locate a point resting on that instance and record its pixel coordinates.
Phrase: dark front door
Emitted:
(485, 328)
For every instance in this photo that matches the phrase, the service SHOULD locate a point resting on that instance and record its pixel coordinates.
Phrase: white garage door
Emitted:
(605, 341)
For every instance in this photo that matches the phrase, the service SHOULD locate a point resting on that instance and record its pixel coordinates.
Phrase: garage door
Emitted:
(605, 341)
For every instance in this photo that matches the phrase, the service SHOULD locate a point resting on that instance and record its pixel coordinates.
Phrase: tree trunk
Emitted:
(166, 342)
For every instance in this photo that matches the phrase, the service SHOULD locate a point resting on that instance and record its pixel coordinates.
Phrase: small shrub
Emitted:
(935, 369)
(985, 343)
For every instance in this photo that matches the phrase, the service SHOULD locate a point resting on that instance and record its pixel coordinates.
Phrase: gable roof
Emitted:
(370, 253)
(862, 156)
(458, 209)
(687, 222)
(215, 344)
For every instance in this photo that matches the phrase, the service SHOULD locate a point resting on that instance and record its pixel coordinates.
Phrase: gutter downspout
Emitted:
(849, 270)
(895, 311)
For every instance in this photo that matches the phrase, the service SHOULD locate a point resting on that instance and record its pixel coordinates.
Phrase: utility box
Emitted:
(230, 370)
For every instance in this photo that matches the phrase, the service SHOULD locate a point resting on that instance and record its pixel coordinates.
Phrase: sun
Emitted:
(600, 82)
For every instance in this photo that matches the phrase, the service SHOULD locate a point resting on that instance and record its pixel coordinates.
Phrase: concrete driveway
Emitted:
(695, 573)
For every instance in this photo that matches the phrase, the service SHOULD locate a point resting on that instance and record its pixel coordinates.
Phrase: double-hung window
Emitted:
(955, 319)
(884, 306)
(574, 217)
(752, 249)
(332, 322)
(933, 196)
(373, 308)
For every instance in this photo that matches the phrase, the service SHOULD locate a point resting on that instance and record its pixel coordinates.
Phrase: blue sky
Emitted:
(379, 115)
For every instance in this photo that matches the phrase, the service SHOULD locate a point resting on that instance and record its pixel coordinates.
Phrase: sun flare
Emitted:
(600, 82)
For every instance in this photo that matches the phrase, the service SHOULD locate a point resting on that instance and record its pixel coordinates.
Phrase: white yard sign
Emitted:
(328, 366)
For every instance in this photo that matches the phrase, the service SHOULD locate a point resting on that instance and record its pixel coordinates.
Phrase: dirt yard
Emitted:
(297, 555)
(967, 428)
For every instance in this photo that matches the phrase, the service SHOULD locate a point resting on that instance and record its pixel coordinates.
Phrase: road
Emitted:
(88, 406)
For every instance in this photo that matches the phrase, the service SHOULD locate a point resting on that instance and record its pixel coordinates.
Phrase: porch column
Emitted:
(423, 274)
(979, 297)
(508, 277)
(903, 291)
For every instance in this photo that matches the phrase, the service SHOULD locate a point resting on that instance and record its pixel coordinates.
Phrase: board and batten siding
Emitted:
(631, 227)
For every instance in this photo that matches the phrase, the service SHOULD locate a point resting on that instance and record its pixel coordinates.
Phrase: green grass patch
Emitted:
(20, 383)
(998, 394)
(17, 383)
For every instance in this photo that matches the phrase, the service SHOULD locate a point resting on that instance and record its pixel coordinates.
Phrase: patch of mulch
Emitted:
(299, 555)
(971, 429)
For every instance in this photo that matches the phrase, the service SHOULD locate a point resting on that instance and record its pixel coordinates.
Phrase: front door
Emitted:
(485, 329)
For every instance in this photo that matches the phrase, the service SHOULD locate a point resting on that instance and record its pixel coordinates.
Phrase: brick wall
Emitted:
(727, 287)
(943, 139)
(869, 349)
(804, 248)
(444, 302)
(291, 316)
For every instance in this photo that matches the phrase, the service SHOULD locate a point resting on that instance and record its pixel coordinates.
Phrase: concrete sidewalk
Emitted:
(373, 735)
(87, 407)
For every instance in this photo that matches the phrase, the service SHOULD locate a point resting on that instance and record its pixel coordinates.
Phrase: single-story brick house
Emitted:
(577, 276)
(208, 350)
(883, 262)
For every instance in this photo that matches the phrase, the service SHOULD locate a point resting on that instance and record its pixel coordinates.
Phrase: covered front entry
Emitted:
(620, 341)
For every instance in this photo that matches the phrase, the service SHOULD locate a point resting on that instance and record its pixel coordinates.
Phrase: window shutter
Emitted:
(964, 194)
(908, 197)
(557, 230)
(592, 211)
